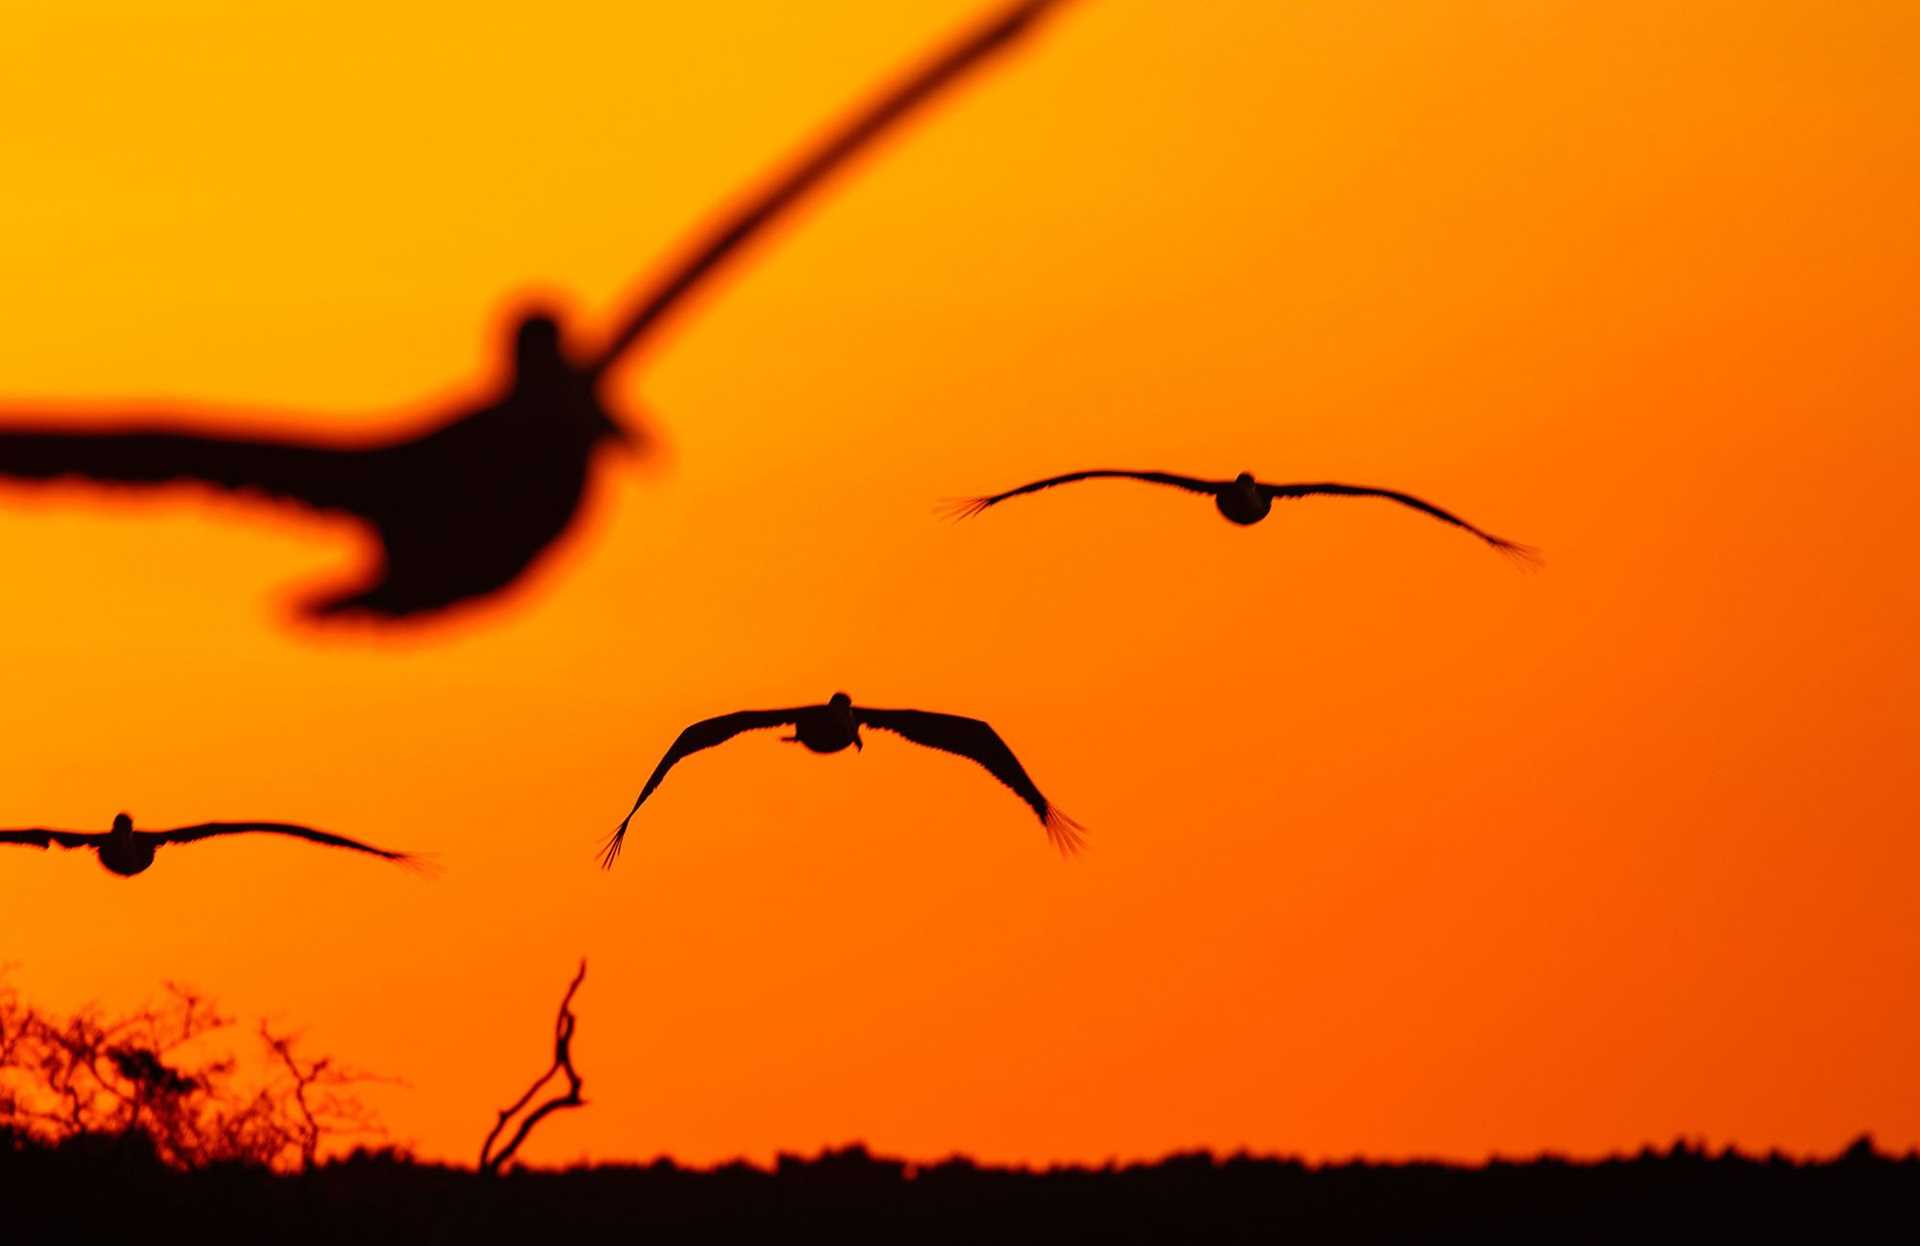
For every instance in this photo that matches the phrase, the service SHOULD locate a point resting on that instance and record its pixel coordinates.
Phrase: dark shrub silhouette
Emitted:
(159, 1085)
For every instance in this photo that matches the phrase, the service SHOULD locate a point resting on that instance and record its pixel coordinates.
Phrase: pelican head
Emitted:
(1244, 481)
(542, 365)
(122, 826)
(537, 353)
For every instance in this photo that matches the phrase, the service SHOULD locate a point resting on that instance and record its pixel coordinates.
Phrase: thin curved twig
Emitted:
(563, 1026)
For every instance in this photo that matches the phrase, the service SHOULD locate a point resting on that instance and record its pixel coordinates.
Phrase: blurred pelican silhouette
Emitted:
(832, 727)
(126, 852)
(462, 509)
(1244, 500)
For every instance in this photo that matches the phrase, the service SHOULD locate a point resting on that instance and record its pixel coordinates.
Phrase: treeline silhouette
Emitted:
(115, 1127)
(93, 1187)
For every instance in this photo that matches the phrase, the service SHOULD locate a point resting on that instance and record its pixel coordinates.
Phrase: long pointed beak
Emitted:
(629, 440)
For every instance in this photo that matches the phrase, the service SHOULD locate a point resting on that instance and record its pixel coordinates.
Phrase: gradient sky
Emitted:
(1394, 850)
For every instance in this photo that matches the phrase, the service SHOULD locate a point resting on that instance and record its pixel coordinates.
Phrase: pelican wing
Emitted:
(43, 837)
(1522, 553)
(704, 734)
(973, 506)
(969, 737)
(207, 830)
(325, 477)
(732, 231)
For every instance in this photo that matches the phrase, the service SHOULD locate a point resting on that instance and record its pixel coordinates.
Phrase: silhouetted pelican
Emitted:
(462, 509)
(127, 852)
(1244, 500)
(831, 727)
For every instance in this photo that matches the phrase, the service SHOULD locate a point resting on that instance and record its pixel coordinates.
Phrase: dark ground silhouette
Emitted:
(99, 1188)
(125, 1128)
(832, 727)
(462, 508)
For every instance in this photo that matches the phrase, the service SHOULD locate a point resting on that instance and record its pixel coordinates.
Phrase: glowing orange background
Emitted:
(1394, 850)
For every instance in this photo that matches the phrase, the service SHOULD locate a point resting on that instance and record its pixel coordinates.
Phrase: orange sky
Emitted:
(1395, 850)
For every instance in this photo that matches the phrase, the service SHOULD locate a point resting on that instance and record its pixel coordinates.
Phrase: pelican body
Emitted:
(1241, 500)
(123, 852)
(458, 510)
(827, 728)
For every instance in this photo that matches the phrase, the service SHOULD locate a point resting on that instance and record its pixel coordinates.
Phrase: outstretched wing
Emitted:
(325, 477)
(704, 734)
(1524, 554)
(733, 230)
(207, 830)
(42, 837)
(965, 507)
(969, 737)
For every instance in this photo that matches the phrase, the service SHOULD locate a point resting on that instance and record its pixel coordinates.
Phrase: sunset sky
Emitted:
(1394, 849)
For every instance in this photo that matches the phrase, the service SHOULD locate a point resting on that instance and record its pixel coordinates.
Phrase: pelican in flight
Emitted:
(461, 508)
(831, 727)
(1244, 500)
(126, 852)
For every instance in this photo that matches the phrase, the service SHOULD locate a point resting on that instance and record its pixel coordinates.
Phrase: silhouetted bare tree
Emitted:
(160, 1071)
(491, 1162)
(315, 1098)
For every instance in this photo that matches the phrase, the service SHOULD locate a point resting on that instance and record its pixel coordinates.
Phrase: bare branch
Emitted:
(563, 1025)
(314, 1095)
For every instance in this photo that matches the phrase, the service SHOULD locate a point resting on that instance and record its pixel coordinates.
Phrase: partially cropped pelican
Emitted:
(126, 852)
(1244, 500)
(462, 507)
(831, 727)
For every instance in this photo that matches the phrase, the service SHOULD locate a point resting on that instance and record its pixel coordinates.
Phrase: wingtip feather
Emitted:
(1063, 832)
(956, 509)
(611, 852)
(1525, 557)
(422, 864)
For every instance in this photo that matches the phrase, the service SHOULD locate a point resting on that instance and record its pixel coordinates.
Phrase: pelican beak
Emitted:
(627, 439)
